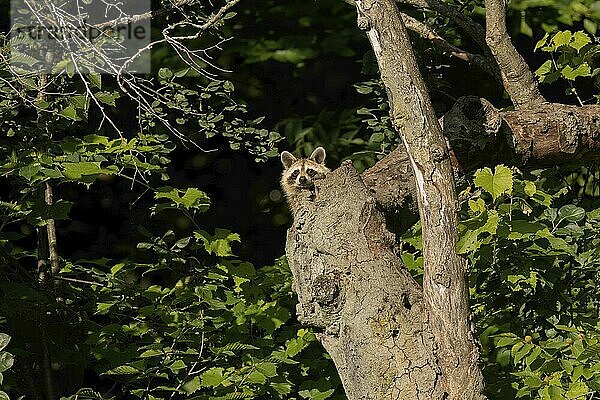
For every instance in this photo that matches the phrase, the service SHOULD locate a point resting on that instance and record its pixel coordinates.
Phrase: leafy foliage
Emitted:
(183, 317)
(550, 14)
(534, 283)
(573, 55)
(6, 362)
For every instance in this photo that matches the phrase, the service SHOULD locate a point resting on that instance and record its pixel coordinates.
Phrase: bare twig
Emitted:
(51, 230)
(475, 31)
(91, 283)
(138, 88)
(427, 33)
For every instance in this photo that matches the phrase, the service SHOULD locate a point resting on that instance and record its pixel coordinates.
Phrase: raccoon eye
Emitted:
(295, 174)
(311, 172)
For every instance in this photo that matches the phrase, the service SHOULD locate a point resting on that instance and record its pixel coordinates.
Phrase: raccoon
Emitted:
(299, 174)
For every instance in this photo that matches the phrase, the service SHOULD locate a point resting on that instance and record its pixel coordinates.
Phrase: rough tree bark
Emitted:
(374, 364)
(480, 135)
(355, 291)
(389, 337)
(516, 76)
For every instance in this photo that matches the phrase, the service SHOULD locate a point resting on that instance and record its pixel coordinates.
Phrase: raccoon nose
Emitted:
(302, 179)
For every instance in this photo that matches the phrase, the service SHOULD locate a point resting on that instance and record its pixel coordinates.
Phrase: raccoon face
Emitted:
(301, 173)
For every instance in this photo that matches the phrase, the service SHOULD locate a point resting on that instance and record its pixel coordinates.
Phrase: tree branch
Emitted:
(444, 281)
(427, 33)
(480, 135)
(51, 230)
(174, 5)
(518, 80)
(475, 31)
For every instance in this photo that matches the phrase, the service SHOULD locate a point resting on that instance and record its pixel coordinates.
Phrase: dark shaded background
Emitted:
(288, 59)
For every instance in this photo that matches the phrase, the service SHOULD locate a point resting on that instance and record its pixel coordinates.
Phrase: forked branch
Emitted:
(444, 285)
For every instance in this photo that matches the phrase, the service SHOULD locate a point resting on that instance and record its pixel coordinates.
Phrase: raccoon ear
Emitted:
(318, 155)
(287, 159)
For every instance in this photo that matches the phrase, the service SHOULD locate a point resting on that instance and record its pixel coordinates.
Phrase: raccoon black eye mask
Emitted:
(300, 173)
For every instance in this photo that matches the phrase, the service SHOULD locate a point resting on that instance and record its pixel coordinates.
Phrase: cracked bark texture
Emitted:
(479, 135)
(392, 339)
(388, 337)
(445, 291)
(356, 292)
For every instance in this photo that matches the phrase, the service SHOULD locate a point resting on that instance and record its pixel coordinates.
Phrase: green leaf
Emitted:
(470, 241)
(523, 351)
(6, 361)
(151, 353)
(70, 112)
(268, 369)
(219, 243)
(212, 378)
(192, 386)
(541, 42)
(294, 346)
(562, 38)
(191, 198)
(102, 308)
(281, 388)
(530, 189)
(570, 73)
(546, 68)
(29, 171)
(256, 377)
(533, 382)
(577, 390)
(525, 28)
(77, 170)
(70, 67)
(507, 340)
(4, 340)
(177, 365)
(571, 213)
(498, 183)
(95, 79)
(116, 268)
(590, 26)
(165, 73)
(533, 356)
(3, 395)
(516, 347)
(580, 39)
(521, 228)
(123, 370)
(107, 98)
(592, 351)
(315, 394)
(42, 212)
(96, 139)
